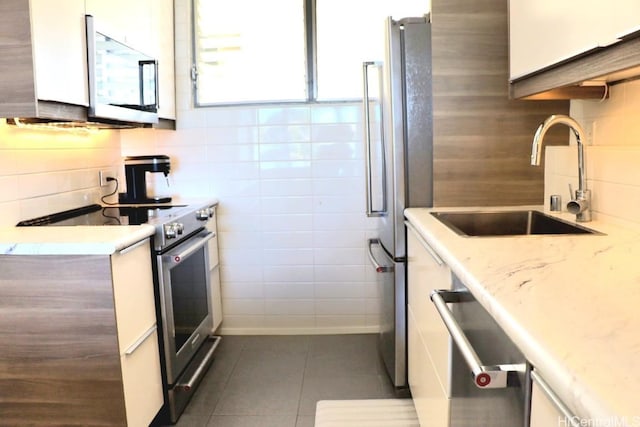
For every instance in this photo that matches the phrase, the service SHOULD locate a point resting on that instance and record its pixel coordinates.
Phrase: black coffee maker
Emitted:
(135, 170)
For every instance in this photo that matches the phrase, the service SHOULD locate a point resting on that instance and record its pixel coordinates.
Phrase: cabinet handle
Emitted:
(139, 341)
(484, 376)
(132, 247)
(424, 243)
(569, 416)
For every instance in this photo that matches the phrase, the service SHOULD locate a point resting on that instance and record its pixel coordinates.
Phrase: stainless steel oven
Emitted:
(184, 292)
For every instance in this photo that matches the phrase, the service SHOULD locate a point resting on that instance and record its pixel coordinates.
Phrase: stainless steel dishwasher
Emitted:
(488, 373)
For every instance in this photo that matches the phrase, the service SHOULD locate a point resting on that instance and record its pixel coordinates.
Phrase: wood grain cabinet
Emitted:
(428, 339)
(79, 339)
(43, 59)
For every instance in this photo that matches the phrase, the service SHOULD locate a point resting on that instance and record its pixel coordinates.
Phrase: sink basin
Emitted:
(507, 223)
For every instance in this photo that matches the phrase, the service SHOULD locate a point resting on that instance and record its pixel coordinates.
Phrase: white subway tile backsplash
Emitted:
(339, 273)
(285, 169)
(331, 204)
(242, 290)
(289, 307)
(337, 168)
(233, 116)
(288, 273)
(336, 132)
(290, 222)
(339, 239)
(287, 240)
(283, 115)
(232, 153)
(331, 114)
(284, 152)
(339, 290)
(289, 290)
(283, 257)
(287, 205)
(340, 306)
(243, 306)
(339, 256)
(284, 133)
(289, 187)
(336, 151)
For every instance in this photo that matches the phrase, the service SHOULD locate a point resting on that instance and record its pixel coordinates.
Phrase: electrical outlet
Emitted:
(103, 175)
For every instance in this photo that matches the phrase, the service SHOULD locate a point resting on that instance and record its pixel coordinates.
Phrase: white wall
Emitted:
(44, 171)
(612, 156)
(290, 180)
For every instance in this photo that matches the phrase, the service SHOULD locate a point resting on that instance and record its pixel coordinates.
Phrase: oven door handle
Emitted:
(177, 258)
(484, 376)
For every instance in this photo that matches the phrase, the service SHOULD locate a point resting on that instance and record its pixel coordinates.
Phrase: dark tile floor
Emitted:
(275, 381)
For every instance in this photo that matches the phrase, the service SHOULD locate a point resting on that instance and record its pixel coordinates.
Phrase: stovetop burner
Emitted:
(109, 215)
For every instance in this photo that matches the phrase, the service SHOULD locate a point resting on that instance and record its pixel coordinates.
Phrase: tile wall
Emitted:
(290, 180)
(44, 171)
(612, 156)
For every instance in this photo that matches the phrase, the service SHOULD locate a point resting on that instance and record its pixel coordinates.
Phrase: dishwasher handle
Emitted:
(484, 376)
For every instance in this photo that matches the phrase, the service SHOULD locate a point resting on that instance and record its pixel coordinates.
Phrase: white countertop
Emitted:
(570, 303)
(81, 239)
(70, 240)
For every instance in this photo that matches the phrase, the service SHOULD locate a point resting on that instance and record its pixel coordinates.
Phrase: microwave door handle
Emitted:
(141, 65)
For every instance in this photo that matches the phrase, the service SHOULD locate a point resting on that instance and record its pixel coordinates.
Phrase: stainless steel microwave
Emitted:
(123, 82)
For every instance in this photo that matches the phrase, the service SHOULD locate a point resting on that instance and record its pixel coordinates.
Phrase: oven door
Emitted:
(185, 290)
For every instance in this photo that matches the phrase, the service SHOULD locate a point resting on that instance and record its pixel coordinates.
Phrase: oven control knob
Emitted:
(202, 214)
(171, 230)
(179, 228)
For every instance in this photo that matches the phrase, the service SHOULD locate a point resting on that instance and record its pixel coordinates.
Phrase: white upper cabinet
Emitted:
(126, 21)
(545, 32)
(162, 30)
(59, 51)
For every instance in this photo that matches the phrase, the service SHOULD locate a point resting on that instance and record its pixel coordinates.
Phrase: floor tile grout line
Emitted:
(226, 381)
(304, 371)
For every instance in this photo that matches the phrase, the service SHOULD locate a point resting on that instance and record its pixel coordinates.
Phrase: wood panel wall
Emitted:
(482, 140)
(59, 357)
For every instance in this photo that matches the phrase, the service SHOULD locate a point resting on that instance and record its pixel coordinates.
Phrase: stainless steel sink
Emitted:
(507, 223)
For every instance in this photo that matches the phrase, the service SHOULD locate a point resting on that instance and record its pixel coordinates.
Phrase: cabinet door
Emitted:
(60, 53)
(425, 274)
(545, 32)
(429, 347)
(162, 33)
(127, 21)
(137, 339)
(543, 411)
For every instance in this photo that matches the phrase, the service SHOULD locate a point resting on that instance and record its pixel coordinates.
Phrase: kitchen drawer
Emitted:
(142, 382)
(133, 293)
(429, 397)
(424, 275)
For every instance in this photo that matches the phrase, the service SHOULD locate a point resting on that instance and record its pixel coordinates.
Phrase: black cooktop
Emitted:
(104, 215)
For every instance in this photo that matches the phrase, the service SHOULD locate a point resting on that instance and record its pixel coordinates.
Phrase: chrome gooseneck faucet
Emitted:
(581, 203)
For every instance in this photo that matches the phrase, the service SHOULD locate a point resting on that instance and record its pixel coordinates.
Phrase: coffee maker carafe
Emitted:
(135, 169)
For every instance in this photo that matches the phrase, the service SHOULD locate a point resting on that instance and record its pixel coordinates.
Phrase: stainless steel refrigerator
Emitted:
(399, 169)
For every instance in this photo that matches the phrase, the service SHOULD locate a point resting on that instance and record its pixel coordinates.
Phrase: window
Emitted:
(252, 51)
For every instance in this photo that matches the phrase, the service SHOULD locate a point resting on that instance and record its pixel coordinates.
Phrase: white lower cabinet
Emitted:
(135, 311)
(546, 407)
(428, 339)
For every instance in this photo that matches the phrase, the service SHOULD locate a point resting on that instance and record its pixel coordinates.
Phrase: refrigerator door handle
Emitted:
(379, 267)
(371, 212)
